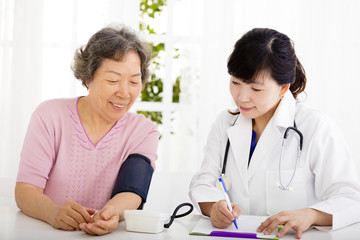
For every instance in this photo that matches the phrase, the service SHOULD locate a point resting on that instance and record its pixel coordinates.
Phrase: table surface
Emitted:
(16, 225)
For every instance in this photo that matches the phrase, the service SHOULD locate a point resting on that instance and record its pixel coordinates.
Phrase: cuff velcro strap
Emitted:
(134, 176)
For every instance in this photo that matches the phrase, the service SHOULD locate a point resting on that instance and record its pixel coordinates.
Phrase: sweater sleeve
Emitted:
(146, 140)
(38, 152)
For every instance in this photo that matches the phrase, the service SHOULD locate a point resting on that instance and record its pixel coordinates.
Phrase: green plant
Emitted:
(176, 90)
(150, 8)
(153, 89)
(154, 116)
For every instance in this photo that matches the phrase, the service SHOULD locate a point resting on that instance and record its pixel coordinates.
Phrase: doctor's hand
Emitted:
(105, 221)
(220, 215)
(300, 220)
(70, 215)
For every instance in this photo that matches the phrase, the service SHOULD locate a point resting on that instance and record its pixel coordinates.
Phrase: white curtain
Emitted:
(326, 35)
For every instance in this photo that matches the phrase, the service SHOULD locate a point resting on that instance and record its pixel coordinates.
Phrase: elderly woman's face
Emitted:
(115, 86)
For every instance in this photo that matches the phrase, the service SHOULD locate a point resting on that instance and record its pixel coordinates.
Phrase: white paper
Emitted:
(246, 224)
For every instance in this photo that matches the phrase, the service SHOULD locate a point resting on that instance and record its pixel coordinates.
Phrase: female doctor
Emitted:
(309, 180)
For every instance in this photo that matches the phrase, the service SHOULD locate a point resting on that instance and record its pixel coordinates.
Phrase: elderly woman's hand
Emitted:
(105, 221)
(70, 215)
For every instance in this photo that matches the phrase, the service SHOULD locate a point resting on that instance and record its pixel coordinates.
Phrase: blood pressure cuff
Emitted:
(134, 176)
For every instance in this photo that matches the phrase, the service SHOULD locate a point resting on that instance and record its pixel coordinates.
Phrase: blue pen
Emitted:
(227, 199)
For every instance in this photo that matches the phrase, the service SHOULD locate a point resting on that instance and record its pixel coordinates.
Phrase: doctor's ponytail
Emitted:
(300, 79)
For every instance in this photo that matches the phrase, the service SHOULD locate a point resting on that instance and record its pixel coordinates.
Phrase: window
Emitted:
(170, 95)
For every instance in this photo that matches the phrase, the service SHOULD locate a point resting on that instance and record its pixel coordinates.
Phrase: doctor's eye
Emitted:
(257, 89)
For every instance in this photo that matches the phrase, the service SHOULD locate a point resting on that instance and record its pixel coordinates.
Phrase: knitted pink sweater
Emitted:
(58, 156)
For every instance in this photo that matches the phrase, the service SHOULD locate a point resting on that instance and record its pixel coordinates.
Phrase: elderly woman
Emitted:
(89, 153)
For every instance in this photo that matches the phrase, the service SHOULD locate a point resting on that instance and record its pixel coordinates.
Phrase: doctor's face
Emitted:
(257, 100)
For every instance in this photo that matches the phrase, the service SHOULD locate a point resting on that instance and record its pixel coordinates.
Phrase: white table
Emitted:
(16, 225)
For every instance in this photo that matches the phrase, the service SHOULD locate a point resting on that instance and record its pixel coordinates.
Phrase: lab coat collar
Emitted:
(240, 137)
(285, 113)
(272, 134)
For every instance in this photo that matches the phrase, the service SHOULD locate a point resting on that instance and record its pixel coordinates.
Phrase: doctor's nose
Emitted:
(243, 96)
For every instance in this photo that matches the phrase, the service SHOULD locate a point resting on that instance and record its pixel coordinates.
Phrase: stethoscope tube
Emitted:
(225, 157)
(281, 185)
(286, 134)
(297, 131)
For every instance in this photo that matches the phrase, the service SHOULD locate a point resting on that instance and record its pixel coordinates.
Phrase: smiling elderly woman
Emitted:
(89, 153)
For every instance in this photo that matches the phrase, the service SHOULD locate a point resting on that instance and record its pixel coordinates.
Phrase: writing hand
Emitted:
(220, 215)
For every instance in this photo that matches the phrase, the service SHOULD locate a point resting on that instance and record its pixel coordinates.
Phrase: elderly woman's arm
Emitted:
(130, 192)
(34, 203)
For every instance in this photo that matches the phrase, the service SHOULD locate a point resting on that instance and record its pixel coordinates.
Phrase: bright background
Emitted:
(38, 39)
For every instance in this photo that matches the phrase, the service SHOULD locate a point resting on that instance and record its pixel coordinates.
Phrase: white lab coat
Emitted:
(326, 179)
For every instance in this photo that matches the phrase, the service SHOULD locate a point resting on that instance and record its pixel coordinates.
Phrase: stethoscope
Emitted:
(280, 183)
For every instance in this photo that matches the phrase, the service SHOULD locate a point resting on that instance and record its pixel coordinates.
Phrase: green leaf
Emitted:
(176, 90)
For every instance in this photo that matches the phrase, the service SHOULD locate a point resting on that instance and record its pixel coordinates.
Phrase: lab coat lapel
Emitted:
(269, 138)
(273, 133)
(240, 137)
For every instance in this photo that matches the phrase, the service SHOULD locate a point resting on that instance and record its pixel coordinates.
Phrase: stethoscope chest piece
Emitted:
(290, 189)
(226, 182)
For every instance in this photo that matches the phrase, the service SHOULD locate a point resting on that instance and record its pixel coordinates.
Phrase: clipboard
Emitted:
(247, 225)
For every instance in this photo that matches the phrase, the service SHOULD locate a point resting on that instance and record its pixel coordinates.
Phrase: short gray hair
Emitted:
(109, 43)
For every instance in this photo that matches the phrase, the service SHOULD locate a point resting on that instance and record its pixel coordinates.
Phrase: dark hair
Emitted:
(267, 49)
(109, 43)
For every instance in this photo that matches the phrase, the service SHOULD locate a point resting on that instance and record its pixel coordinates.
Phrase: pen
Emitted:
(227, 199)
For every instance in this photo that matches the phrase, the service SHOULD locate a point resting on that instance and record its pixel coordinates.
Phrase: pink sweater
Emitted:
(58, 156)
